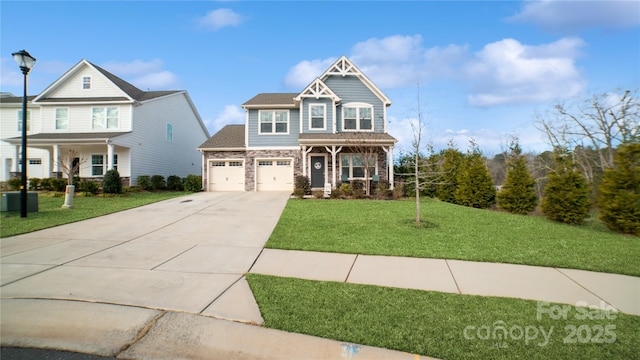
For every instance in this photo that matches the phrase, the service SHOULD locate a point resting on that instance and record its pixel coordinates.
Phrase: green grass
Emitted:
(433, 324)
(50, 212)
(451, 232)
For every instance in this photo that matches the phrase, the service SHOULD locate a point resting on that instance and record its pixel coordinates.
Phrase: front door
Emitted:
(317, 171)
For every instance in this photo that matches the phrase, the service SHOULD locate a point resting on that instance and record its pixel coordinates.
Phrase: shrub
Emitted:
(34, 183)
(566, 195)
(358, 193)
(111, 184)
(144, 181)
(382, 188)
(518, 194)
(451, 165)
(158, 182)
(14, 184)
(299, 193)
(619, 192)
(346, 190)
(398, 190)
(336, 193)
(193, 183)
(45, 184)
(318, 194)
(89, 187)
(357, 185)
(303, 183)
(58, 184)
(174, 182)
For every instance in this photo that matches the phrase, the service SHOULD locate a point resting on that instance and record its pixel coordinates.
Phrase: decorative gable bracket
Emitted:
(343, 67)
(318, 89)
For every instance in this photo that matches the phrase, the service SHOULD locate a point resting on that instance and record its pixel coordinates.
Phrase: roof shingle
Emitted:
(229, 137)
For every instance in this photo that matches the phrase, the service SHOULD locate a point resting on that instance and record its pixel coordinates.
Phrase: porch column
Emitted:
(110, 150)
(55, 159)
(304, 161)
(305, 152)
(390, 165)
(333, 151)
(16, 157)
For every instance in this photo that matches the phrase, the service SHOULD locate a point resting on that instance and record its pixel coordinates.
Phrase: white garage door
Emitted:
(226, 175)
(274, 175)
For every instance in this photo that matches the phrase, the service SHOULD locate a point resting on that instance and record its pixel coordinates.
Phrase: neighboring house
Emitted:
(329, 131)
(108, 122)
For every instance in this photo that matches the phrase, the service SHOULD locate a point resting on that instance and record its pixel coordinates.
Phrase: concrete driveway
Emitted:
(187, 254)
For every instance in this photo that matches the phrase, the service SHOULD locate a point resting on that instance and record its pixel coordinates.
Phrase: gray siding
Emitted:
(351, 89)
(273, 140)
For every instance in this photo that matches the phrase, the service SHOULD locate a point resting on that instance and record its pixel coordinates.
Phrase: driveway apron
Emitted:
(187, 254)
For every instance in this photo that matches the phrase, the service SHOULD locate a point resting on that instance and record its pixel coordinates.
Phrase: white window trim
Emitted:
(358, 106)
(82, 85)
(19, 115)
(324, 118)
(55, 119)
(351, 177)
(166, 135)
(104, 164)
(273, 122)
(106, 118)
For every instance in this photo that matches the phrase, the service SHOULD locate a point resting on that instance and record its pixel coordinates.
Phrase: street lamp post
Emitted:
(26, 62)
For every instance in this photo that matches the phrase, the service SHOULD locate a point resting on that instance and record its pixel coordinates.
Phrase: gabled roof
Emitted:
(344, 67)
(230, 137)
(130, 92)
(273, 100)
(318, 89)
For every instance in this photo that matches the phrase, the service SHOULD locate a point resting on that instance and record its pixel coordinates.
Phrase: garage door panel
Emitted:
(275, 175)
(226, 176)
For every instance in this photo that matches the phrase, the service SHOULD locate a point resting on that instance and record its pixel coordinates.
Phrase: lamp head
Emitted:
(24, 60)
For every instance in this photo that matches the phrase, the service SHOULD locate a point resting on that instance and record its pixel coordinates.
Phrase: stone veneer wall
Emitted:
(252, 155)
(215, 155)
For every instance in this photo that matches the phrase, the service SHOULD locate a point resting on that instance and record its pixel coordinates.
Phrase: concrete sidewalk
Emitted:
(567, 286)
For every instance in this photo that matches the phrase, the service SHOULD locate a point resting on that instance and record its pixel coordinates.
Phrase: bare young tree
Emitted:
(70, 164)
(601, 122)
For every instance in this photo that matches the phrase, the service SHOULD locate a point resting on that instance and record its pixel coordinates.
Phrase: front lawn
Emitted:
(442, 325)
(50, 212)
(379, 227)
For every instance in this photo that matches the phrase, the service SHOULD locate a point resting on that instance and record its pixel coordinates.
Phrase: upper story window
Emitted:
(20, 120)
(273, 122)
(62, 119)
(357, 117)
(86, 82)
(317, 116)
(105, 118)
(169, 132)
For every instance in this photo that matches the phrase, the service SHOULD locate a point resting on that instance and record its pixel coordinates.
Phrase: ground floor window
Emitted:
(99, 164)
(353, 165)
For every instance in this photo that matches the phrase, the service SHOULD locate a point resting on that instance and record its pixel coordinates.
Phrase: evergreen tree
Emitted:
(619, 198)
(566, 195)
(451, 162)
(475, 187)
(517, 194)
(111, 183)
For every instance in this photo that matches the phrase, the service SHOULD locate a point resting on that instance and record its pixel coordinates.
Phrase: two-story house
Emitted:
(329, 132)
(108, 123)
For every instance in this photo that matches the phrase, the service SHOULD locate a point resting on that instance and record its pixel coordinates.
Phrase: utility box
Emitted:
(10, 201)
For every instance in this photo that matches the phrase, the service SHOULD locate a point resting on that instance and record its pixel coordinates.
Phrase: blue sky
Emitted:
(482, 70)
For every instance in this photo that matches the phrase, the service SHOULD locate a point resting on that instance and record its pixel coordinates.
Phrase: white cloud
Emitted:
(10, 75)
(568, 16)
(232, 114)
(304, 72)
(134, 68)
(217, 19)
(156, 81)
(508, 72)
(147, 75)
